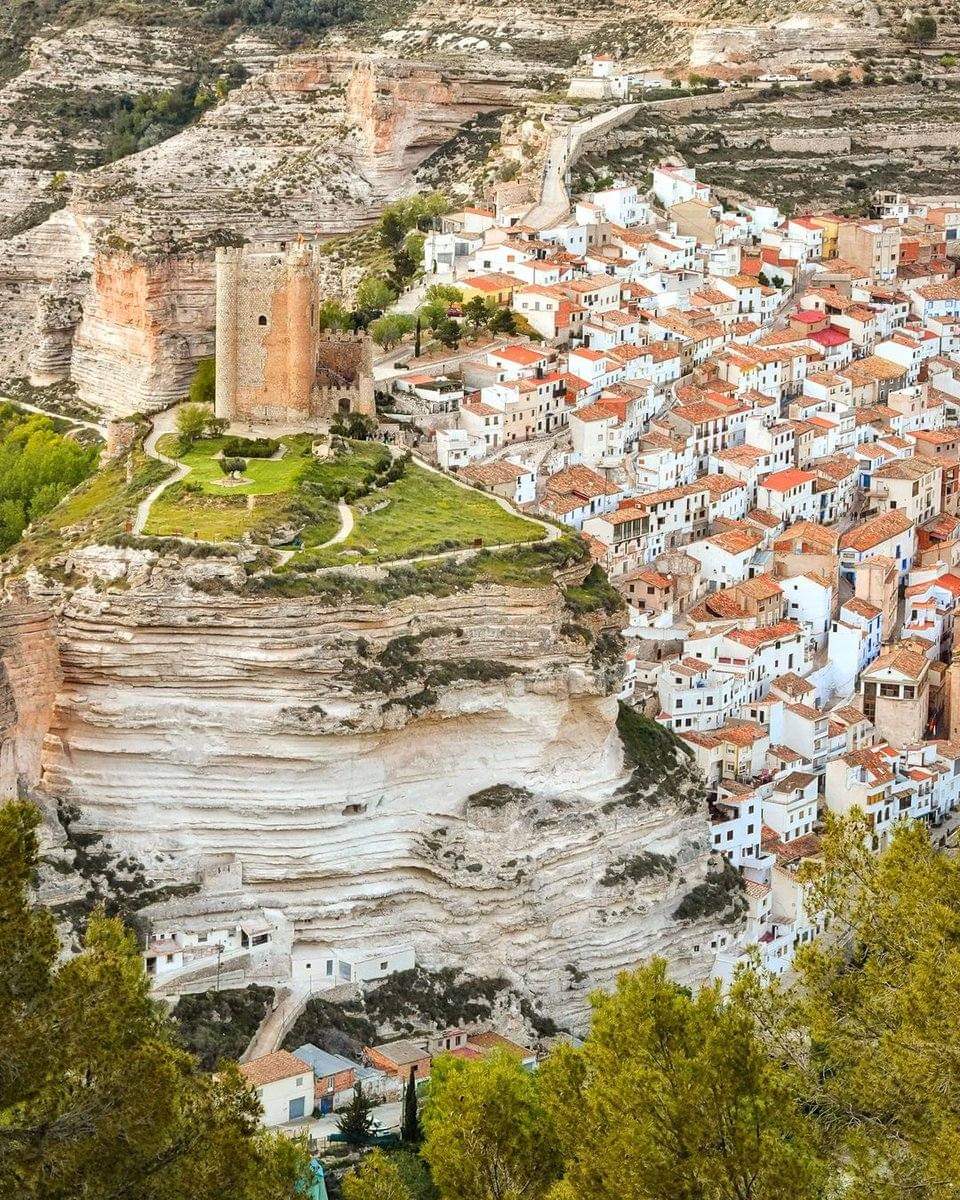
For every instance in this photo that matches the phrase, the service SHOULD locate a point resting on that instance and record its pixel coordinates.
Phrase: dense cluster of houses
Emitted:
(752, 418)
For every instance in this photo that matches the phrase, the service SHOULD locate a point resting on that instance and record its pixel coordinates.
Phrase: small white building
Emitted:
(284, 1086)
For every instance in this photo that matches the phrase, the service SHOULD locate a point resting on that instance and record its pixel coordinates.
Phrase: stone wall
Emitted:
(274, 366)
(811, 143)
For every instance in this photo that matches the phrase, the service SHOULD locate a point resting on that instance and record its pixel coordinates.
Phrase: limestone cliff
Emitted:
(444, 770)
(116, 289)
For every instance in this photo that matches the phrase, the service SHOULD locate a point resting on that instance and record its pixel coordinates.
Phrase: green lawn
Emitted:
(266, 475)
(424, 513)
(296, 489)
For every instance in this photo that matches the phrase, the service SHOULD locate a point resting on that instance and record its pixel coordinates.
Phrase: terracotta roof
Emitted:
(862, 608)
(271, 1068)
(793, 685)
(493, 473)
(785, 481)
(496, 1041)
(875, 531)
(402, 1051)
(755, 638)
(900, 659)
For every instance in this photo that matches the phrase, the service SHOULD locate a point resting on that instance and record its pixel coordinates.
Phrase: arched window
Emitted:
(261, 320)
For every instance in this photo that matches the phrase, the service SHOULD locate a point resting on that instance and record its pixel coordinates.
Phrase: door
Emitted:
(296, 1108)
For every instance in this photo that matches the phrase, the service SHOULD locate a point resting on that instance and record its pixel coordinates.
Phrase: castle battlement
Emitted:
(274, 364)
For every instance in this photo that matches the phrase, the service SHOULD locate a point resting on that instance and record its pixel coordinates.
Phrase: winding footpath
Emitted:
(166, 422)
(55, 416)
(163, 423)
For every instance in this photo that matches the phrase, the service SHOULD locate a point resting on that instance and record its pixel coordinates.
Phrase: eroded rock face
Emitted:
(312, 143)
(30, 677)
(440, 770)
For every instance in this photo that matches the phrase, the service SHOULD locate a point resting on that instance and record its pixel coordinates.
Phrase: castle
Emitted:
(275, 366)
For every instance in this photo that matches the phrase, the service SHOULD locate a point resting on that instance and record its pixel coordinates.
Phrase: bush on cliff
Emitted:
(216, 1025)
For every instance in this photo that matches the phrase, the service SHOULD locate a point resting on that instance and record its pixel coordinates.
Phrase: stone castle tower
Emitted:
(274, 365)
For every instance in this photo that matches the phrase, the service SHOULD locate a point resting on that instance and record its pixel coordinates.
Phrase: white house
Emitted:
(284, 1086)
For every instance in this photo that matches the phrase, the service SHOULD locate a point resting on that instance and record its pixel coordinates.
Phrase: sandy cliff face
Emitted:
(441, 770)
(116, 289)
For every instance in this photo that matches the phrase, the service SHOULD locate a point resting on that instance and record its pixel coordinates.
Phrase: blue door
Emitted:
(326, 1104)
(296, 1108)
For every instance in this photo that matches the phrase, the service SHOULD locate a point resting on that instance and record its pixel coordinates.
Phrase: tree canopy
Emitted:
(38, 466)
(842, 1085)
(95, 1098)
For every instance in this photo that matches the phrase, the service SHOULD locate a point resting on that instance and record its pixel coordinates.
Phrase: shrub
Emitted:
(215, 1025)
(594, 594)
(720, 895)
(229, 465)
(235, 447)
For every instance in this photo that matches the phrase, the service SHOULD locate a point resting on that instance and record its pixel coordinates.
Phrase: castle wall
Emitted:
(274, 367)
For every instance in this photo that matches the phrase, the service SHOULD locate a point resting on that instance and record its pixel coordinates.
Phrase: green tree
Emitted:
(356, 1121)
(921, 30)
(410, 1131)
(502, 320)
(487, 1135)
(448, 333)
(391, 328)
(376, 1178)
(203, 386)
(38, 467)
(436, 303)
(95, 1099)
(477, 312)
(192, 420)
(374, 294)
(331, 314)
(675, 1097)
(876, 1002)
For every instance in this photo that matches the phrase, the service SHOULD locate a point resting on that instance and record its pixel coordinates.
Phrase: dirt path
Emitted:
(163, 423)
(55, 416)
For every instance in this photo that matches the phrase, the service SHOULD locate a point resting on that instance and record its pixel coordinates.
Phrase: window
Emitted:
(383, 966)
(329, 969)
(261, 320)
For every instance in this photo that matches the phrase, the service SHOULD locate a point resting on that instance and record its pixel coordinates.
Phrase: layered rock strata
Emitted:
(314, 142)
(444, 771)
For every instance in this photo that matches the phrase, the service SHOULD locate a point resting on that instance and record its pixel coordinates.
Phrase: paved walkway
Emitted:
(563, 151)
(274, 1026)
(346, 527)
(163, 423)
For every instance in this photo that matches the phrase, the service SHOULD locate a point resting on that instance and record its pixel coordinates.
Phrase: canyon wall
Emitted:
(444, 771)
(145, 325)
(116, 289)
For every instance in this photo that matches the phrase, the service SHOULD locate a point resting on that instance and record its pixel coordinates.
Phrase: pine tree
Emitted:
(356, 1122)
(96, 1099)
(410, 1131)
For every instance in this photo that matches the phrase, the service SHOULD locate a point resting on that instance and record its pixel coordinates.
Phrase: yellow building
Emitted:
(830, 224)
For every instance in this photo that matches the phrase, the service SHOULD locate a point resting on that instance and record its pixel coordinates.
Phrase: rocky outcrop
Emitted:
(444, 770)
(314, 142)
(30, 677)
(146, 323)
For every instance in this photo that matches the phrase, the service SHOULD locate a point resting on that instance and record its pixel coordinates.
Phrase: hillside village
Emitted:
(752, 420)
